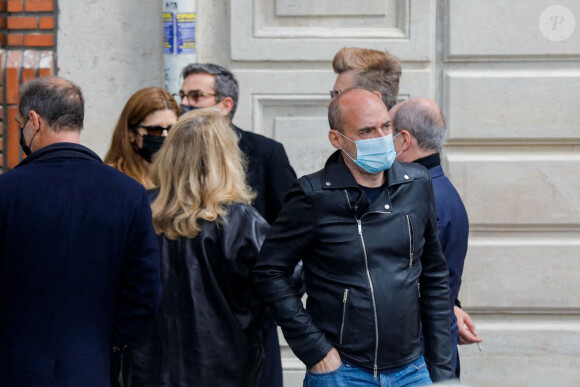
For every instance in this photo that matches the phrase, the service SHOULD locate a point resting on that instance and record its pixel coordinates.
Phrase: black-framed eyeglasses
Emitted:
(154, 130)
(334, 93)
(194, 96)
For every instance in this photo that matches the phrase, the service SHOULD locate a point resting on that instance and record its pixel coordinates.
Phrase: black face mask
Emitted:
(151, 144)
(25, 148)
(187, 108)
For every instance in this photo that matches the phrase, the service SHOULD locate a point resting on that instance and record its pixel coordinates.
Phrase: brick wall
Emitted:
(27, 50)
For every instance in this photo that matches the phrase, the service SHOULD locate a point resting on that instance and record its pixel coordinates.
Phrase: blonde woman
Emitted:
(141, 129)
(207, 331)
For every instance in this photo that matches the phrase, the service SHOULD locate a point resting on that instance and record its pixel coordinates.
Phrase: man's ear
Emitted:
(405, 140)
(35, 119)
(334, 139)
(226, 105)
(404, 143)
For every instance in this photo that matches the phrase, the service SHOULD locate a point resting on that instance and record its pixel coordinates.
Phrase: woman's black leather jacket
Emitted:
(207, 330)
(373, 273)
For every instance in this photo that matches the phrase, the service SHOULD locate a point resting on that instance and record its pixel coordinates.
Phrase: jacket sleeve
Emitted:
(287, 242)
(434, 302)
(455, 259)
(139, 288)
(242, 239)
(279, 178)
(453, 226)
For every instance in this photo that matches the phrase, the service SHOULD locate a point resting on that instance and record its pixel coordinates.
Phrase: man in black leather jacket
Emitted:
(373, 267)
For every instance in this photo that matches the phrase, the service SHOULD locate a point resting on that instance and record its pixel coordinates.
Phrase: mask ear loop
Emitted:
(345, 152)
(397, 135)
(34, 135)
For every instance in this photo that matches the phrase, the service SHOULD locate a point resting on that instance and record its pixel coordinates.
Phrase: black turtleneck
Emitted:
(430, 161)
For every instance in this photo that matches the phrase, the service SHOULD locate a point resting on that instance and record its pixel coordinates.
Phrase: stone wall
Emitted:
(27, 44)
(506, 75)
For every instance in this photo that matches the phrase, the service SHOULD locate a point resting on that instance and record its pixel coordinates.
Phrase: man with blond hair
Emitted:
(369, 69)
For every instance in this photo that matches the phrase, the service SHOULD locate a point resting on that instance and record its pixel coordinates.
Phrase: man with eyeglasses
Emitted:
(269, 172)
(79, 259)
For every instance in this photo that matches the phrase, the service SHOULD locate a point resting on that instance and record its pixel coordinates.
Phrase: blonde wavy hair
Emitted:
(200, 172)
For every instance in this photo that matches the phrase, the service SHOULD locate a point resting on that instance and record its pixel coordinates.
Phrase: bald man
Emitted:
(375, 274)
(421, 131)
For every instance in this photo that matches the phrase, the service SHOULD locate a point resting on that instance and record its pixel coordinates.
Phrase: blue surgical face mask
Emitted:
(374, 155)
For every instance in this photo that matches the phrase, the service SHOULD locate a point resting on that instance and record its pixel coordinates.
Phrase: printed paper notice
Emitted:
(185, 33)
(168, 34)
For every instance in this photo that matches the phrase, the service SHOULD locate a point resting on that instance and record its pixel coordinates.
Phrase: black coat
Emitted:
(270, 175)
(373, 273)
(79, 267)
(207, 330)
(269, 172)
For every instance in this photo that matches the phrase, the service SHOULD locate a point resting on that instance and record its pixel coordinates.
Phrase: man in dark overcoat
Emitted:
(79, 261)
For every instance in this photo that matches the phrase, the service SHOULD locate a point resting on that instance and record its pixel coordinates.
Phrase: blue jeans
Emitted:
(347, 375)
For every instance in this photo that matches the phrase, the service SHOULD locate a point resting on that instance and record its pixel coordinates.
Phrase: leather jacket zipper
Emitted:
(410, 228)
(372, 289)
(372, 295)
(344, 298)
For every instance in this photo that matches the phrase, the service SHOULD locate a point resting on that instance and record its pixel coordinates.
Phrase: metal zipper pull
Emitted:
(375, 371)
(410, 241)
(359, 226)
(344, 298)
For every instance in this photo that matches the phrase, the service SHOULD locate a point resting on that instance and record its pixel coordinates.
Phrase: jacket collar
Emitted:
(244, 143)
(397, 174)
(430, 161)
(60, 150)
(238, 131)
(337, 175)
(436, 172)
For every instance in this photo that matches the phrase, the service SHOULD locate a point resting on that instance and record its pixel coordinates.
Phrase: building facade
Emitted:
(506, 74)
